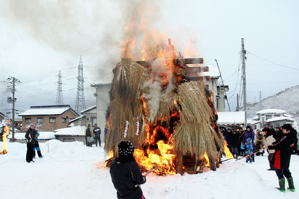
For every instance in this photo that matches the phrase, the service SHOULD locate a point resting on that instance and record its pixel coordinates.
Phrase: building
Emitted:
(231, 119)
(48, 118)
(102, 102)
(272, 117)
(88, 116)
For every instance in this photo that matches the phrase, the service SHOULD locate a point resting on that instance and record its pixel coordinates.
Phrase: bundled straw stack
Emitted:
(125, 107)
(194, 135)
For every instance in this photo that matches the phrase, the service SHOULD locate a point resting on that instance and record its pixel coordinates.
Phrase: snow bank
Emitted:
(71, 170)
(74, 130)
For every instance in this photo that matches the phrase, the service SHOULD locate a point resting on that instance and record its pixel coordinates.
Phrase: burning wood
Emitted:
(165, 115)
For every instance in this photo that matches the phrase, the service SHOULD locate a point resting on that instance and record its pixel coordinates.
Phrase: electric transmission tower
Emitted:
(80, 100)
(59, 96)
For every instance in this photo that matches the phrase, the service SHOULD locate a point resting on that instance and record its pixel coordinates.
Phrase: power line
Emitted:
(272, 62)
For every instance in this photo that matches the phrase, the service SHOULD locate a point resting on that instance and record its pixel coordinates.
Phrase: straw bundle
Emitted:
(194, 134)
(125, 107)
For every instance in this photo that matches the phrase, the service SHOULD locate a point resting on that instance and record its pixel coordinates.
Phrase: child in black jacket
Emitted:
(125, 173)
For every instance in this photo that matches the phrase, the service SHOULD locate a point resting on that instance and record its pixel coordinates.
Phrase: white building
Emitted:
(273, 117)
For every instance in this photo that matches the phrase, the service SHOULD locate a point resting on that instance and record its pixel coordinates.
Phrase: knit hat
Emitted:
(125, 148)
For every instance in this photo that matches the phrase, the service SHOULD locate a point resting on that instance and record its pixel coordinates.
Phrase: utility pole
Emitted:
(59, 96)
(80, 99)
(260, 100)
(238, 103)
(12, 86)
(243, 56)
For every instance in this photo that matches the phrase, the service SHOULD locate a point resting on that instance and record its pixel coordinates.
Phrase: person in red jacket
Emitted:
(282, 156)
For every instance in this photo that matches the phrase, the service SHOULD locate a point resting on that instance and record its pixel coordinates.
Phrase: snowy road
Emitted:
(70, 171)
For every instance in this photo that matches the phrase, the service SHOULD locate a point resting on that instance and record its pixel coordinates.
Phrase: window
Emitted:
(52, 119)
(268, 117)
(40, 120)
(64, 119)
(93, 121)
(28, 120)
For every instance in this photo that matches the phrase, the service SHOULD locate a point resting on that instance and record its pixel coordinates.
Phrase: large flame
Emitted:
(4, 140)
(162, 159)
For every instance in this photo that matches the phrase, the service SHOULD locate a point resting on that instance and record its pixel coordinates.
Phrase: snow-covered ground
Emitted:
(71, 170)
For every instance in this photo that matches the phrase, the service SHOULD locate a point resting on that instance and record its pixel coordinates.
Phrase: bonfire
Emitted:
(166, 111)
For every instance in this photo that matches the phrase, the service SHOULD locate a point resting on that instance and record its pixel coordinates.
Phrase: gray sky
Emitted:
(39, 38)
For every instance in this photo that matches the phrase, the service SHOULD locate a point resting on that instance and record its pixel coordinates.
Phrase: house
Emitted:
(88, 116)
(210, 76)
(48, 118)
(273, 117)
(2, 116)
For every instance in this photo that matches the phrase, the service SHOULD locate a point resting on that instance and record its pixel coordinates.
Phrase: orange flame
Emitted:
(227, 152)
(4, 139)
(162, 160)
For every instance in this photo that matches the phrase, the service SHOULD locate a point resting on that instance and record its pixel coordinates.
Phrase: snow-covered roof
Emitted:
(46, 110)
(77, 118)
(280, 119)
(228, 118)
(88, 109)
(2, 114)
(75, 130)
(269, 111)
(43, 135)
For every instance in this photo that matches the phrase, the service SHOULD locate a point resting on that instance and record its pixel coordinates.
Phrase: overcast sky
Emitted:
(40, 37)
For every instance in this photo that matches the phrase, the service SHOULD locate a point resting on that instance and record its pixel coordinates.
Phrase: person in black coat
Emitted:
(97, 134)
(125, 173)
(31, 139)
(282, 156)
(88, 136)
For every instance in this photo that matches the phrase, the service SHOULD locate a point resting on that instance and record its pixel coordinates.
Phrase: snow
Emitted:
(44, 111)
(88, 109)
(280, 119)
(43, 135)
(270, 111)
(71, 170)
(231, 118)
(77, 118)
(74, 130)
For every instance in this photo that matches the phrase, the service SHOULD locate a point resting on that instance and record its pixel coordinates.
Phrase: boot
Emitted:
(281, 185)
(291, 184)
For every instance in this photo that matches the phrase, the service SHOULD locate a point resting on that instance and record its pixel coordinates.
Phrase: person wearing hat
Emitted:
(282, 156)
(125, 173)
